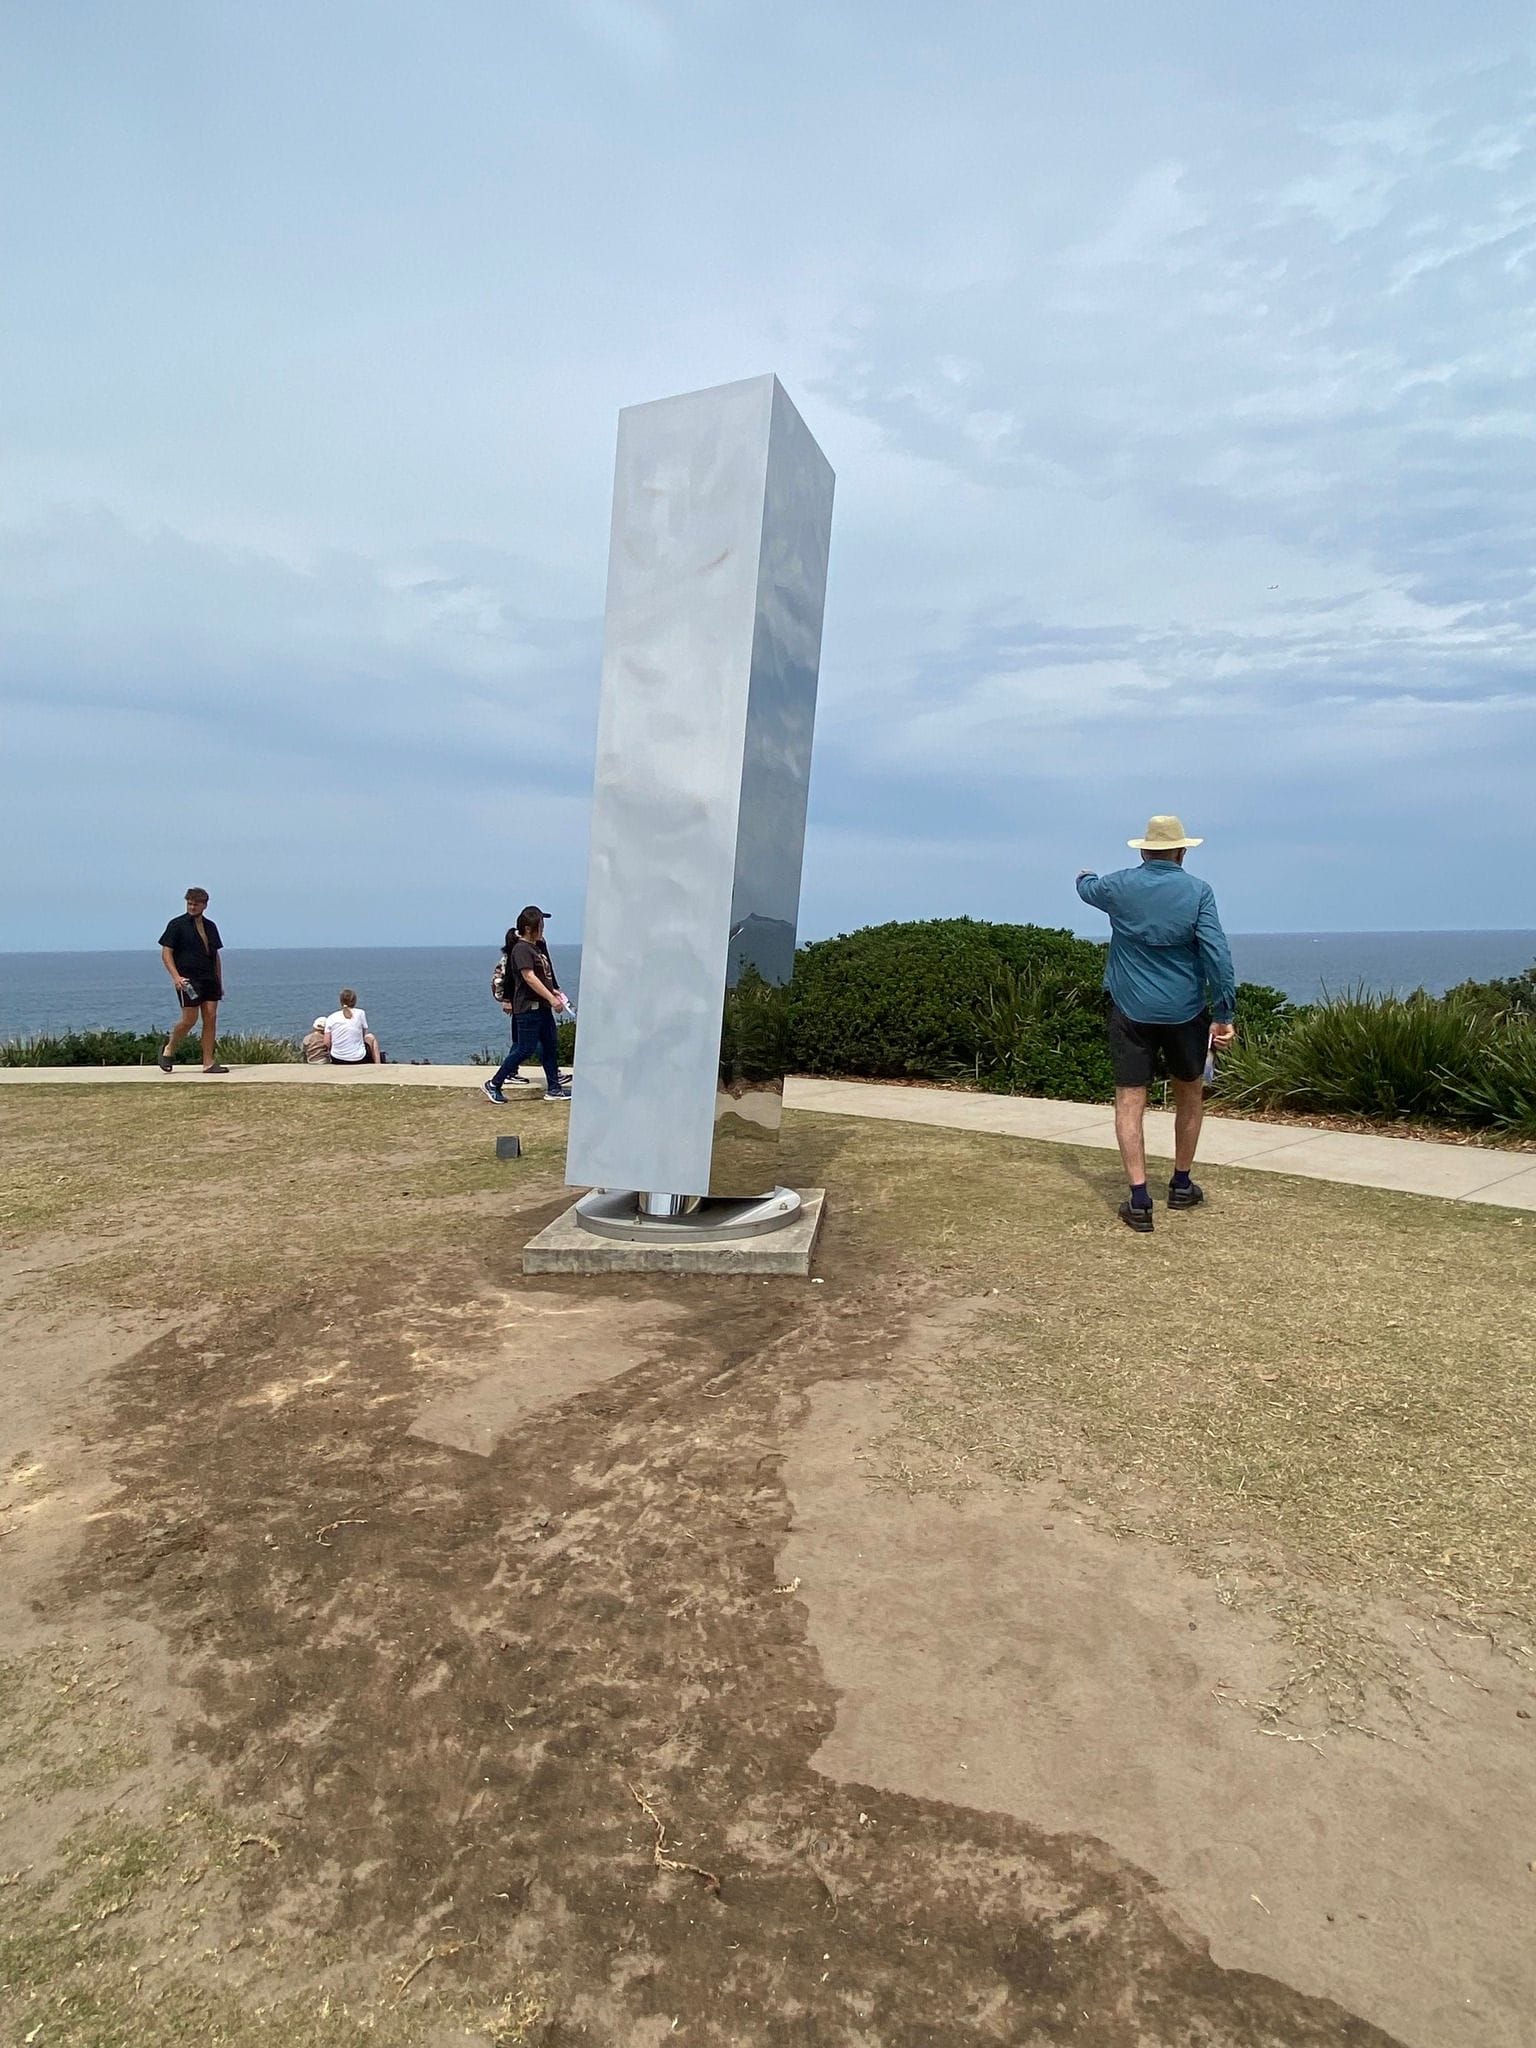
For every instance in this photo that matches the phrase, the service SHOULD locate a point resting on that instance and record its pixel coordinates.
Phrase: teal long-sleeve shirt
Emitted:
(1168, 955)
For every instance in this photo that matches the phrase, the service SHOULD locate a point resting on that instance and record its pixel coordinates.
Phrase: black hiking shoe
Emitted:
(1135, 1218)
(1185, 1198)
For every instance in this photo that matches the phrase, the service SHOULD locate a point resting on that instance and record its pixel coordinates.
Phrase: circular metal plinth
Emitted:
(616, 1212)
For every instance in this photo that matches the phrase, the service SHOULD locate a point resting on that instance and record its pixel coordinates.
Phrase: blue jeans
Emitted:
(533, 1036)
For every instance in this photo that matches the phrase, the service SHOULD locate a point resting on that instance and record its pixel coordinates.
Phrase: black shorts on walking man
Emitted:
(1172, 992)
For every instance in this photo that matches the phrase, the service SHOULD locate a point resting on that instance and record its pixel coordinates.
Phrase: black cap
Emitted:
(530, 911)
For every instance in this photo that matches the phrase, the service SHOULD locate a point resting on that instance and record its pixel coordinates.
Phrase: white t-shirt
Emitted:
(347, 1041)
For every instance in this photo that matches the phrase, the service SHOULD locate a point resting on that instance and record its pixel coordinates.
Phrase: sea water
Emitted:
(423, 1002)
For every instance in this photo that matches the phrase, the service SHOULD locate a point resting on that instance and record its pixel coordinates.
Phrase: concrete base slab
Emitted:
(564, 1247)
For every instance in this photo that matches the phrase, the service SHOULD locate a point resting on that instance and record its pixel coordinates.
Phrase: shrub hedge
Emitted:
(1019, 1009)
(1016, 1008)
(1450, 1059)
(1013, 1006)
(493, 1055)
(1513, 996)
(138, 1049)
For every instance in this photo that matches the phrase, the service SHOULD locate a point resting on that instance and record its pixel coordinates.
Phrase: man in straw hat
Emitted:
(1172, 993)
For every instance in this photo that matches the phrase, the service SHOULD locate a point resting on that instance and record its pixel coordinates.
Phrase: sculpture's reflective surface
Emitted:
(716, 579)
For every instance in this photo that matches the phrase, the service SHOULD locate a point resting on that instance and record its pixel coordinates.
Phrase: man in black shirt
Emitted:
(190, 948)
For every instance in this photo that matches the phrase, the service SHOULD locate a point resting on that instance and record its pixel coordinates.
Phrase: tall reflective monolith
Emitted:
(717, 569)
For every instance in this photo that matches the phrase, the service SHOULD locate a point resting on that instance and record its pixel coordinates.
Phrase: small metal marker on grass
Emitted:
(509, 1147)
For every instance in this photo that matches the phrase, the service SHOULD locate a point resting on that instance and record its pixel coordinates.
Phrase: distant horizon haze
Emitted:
(480, 941)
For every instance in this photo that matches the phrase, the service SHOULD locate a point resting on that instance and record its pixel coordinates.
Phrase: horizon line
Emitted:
(474, 945)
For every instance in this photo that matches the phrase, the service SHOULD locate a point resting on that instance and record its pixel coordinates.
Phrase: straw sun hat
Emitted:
(1164, 835)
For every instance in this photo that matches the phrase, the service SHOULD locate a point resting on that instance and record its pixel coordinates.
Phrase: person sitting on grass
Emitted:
(535, 996)
(348, 1041)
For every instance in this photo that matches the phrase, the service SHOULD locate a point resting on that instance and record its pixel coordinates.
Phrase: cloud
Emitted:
(437, 659)
(1181, 411)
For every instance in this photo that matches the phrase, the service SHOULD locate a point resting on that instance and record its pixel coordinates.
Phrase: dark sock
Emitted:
(1180, 1178)
(1140, 1199)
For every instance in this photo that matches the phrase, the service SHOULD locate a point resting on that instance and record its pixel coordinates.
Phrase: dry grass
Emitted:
(1348, 1374)
(1337, 1377)
(1342, 1378)
(1333, 1386)
(136, 1195)
(129, 1932)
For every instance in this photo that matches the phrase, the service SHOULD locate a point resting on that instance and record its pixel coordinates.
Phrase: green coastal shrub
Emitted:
(1041, 1032)
(1012, 1006)
(1446, 1059)
(1501, 1088)
(492, 1056)
(1514, 995)
(754, 1030)
(1261, 1011)
(109, 1048)
(1019, 1009)
(1015, 1008)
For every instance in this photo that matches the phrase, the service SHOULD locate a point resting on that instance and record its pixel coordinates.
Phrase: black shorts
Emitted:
(201, 995)
(1135, 1049)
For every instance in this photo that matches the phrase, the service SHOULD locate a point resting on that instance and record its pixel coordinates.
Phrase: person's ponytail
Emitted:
(348, 999)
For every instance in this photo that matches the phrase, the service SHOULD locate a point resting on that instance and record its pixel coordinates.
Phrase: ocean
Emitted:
(423, 1002)
(434, 1002)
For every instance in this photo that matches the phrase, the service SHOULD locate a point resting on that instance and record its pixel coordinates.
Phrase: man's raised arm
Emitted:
(1092, 889)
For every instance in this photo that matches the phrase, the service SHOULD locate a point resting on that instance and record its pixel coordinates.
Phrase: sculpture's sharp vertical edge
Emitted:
(775, 781)
(717, 569)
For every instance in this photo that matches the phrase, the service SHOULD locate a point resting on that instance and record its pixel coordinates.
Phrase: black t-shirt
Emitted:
(534, 954)
(194, 960)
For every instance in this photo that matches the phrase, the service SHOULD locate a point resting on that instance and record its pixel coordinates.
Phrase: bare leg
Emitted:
(181, 1027)
(210, 1031)
(1188, 1116)
(374, 1055)
(1130, 1115)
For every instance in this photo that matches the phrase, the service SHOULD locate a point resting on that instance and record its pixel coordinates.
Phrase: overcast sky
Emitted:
(1177, 363)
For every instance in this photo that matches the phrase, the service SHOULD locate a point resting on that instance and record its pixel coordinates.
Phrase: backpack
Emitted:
(499, 980)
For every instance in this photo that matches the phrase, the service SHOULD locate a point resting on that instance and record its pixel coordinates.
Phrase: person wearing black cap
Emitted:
(533, 995)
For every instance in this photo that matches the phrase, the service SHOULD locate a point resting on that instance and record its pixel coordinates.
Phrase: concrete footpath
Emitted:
(1412, 1166)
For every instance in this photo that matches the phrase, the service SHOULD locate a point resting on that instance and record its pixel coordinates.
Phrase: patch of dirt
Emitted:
(51, 1482)
(436, 1684)
(542, 1352)
(1005, 1652)
(518, 1742)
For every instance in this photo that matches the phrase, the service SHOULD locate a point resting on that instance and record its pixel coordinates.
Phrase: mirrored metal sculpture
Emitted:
(722, 512)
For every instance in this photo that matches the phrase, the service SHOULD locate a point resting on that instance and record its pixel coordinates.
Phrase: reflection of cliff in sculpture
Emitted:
(717, 569)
